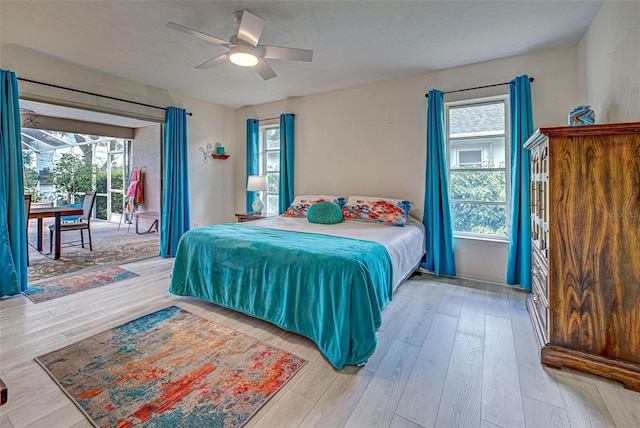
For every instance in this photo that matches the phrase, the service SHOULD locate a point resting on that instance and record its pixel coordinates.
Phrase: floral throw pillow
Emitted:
(377, 211)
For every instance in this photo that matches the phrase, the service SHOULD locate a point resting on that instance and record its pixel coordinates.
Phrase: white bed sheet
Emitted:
(405, 245)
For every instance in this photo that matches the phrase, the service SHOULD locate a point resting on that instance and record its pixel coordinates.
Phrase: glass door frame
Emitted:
(125, 151)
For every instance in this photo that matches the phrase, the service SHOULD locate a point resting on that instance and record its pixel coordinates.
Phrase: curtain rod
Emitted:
(94, 94)
(479, 87)
(273, 118)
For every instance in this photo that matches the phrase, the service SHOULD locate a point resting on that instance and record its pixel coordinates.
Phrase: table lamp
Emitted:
(257, 183)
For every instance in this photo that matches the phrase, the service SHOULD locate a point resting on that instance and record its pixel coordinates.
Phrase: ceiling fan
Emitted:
(244, 49)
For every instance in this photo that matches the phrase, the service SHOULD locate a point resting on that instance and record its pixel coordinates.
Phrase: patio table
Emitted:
(56, 212)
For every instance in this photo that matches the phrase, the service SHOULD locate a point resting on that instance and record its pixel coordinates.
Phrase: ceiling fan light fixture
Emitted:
(243, 59)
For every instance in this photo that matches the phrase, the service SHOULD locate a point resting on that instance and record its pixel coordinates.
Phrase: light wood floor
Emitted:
(448, 355)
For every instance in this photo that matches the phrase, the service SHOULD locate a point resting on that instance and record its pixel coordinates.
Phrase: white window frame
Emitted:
(263, 158)
(507, 161)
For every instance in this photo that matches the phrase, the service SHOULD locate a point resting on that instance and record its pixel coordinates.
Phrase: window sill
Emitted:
(504, 240)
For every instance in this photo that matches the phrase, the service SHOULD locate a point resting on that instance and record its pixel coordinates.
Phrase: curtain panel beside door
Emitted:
(175, 199)
(13, 236)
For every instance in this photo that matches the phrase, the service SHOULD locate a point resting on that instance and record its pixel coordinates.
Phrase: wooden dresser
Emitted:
(585, 221)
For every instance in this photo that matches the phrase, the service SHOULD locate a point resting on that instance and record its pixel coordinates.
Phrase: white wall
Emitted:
(370, 140)
(609, 61)
(145, 154)
(211, 185)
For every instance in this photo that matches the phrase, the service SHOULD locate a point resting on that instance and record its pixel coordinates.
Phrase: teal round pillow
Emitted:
(324, 213)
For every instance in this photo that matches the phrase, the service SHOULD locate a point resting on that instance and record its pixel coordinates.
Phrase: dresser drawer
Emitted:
(540, 274)
(539, 312)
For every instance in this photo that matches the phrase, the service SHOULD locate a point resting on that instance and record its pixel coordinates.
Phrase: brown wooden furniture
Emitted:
(56, 212)
(242, 217)
(585, 219)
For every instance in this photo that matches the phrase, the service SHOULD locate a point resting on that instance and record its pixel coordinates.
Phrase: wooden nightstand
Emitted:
(242, 217)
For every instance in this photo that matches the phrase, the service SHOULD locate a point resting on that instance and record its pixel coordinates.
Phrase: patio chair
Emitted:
(83, 223)
(27, 208)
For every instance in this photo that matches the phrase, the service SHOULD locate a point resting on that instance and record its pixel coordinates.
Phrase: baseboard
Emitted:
(466, 281)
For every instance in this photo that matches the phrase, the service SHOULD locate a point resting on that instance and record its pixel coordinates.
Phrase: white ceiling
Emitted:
(354, 42)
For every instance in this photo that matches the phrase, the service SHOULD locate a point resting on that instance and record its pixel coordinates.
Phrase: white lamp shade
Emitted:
(257, 183)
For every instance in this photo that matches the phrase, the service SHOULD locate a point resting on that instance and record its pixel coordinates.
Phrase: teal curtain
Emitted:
(253, 153)
(519, 263)
(437, 212)
(286, 195)
(13, 239)
(175, 199)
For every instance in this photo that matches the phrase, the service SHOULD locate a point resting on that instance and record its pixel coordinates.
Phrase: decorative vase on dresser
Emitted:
(585, 223)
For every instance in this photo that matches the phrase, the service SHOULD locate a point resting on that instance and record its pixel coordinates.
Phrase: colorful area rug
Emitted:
(111, 247)
(74, 284)
(170, 369)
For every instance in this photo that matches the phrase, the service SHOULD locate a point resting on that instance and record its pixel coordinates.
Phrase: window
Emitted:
(469, 157)
(270, 165)
(104, 161)
(477, 149)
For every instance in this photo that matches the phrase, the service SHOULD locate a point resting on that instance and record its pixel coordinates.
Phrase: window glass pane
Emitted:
(117, 203)
(273, 138)
(101, 154)
(117, 172)
(272, 205)
(115, 145)
(45, 172)
(273, 161)
(488, 186)
(491, 152)
(101, 179)
(473, 157)
(273, 182)
(101, 206)
(482, 219)
(476, 119)
(270, 166)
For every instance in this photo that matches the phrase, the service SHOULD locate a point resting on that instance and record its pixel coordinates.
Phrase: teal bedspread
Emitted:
(329, 289)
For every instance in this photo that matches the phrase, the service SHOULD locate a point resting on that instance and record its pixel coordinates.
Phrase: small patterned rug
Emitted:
(74, 284)
(170, 369)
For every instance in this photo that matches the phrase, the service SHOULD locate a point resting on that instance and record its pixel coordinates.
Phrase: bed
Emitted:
(329, 283)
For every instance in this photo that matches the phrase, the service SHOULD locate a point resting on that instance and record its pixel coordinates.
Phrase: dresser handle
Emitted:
(535, 298)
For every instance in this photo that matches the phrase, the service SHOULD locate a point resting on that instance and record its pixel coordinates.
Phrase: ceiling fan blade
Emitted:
(198, 34)
(213, 62)
(278, 52)
(264, 70)
(250, 28)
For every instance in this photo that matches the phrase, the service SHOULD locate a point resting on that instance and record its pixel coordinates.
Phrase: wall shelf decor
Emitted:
(216, 152)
